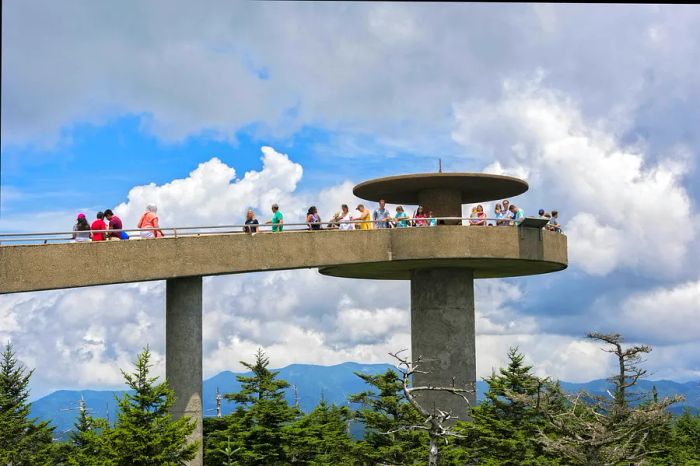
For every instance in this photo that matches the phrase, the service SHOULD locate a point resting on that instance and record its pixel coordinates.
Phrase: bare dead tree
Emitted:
(436, 421)
(629, 362)
(598, 430)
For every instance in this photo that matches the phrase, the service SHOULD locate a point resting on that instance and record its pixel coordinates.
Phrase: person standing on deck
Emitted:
(381, 216)
(277, 219)
(364, 218)
(99, 224)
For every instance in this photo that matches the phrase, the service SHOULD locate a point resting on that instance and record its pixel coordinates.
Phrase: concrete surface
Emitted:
(442, 335)
(442, 203)
(382, 253)
(473, 187)
(183, 352)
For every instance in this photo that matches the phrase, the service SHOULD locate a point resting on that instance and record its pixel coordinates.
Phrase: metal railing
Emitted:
(189, 231)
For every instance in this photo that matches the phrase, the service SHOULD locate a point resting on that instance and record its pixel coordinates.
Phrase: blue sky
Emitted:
(210, 108)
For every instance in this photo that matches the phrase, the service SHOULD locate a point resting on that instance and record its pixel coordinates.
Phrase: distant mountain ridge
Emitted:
(309, 382)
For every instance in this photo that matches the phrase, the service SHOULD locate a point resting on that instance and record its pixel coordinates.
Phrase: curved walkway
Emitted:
(383, 254)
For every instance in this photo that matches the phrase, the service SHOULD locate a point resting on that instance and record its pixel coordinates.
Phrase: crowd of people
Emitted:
(507, 214)
(113, 228)
(108, 226)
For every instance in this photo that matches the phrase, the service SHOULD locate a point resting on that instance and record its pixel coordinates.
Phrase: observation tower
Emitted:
(441, 263)
(442, 282)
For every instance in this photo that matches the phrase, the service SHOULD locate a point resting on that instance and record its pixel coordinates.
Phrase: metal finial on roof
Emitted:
(439, 165)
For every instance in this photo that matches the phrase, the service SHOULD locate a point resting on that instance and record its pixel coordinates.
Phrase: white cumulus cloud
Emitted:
(619, 207)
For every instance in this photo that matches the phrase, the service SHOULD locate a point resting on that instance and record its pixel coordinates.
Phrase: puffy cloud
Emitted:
(624, 210)
(211, 195)
(390, 71)
(496, 304)
(362, 326)
(664, 315)
(557, 356)
(81, 337)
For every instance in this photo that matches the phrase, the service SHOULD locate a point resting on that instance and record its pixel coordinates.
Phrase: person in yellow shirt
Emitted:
(365, 217)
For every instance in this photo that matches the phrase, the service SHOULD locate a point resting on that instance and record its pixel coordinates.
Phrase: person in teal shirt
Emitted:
(518, 214)
(277, 219)
(401, 218)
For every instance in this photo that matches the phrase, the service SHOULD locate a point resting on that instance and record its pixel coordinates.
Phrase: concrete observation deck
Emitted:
(441, 263)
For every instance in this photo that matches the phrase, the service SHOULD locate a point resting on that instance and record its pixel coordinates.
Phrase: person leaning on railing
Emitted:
(277, 219)
(381, 216)
(341, 219)
(478, 216)
(364, 218)
(420, 218)
(148, 220)
(313, 220)
(81, 229)
(251, 222)
(518, 214)
(500, 216)
(99, 224)
(115, 223)
(554, 222)
(507, 214)
(401, 219)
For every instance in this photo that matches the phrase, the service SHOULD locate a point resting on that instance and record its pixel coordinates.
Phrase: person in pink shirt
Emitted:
(480, 219)
(420, 218)
(149, 219)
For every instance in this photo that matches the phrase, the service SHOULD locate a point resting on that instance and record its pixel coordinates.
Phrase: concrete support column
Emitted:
(442, 334)
(442, 202)
(183, 351)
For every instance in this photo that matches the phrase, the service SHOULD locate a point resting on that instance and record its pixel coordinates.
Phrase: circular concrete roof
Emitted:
(474, 187)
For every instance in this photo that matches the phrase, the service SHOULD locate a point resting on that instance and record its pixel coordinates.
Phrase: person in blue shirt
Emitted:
(554, 222)
(400, 218)
(381, 216)
(500, 216)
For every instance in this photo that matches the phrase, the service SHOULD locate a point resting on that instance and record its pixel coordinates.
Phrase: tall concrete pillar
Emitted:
(183, 351)
(442, 334)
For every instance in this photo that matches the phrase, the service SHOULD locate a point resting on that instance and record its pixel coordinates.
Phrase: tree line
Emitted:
(524, 420)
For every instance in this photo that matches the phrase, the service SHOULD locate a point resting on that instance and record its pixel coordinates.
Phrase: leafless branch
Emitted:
(436, 423)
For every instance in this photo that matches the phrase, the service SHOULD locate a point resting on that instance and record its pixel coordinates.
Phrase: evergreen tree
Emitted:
(321, 437)
(602, 430)
(144, 432)
(224, 438)
(679, 442)
(387, 418)
(504, 427)
(255, 430)
(23, 441)
(87, 443)
(685, 441)
(83, 426)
